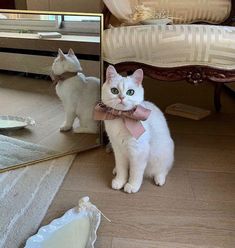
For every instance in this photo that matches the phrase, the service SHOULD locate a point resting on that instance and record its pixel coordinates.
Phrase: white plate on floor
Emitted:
(9, 122)
(76, 228)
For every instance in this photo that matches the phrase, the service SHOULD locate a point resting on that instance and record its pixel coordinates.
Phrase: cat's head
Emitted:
(66, 63)
(122, 93)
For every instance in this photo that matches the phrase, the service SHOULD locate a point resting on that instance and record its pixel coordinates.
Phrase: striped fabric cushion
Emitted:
(184, 11)
(171, 45)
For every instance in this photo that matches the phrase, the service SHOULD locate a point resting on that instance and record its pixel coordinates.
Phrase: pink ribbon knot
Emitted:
(131, 118)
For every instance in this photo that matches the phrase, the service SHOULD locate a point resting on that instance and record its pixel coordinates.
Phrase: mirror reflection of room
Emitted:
(49, 84)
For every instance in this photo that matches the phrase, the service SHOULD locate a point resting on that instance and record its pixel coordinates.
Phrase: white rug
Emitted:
(25, 195)
(15, 151)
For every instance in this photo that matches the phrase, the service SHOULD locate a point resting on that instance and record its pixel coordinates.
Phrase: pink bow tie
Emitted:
(132, 118)
(66, 75)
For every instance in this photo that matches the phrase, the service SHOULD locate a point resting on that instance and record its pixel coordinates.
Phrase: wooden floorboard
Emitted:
(36, 98)
(196, 207)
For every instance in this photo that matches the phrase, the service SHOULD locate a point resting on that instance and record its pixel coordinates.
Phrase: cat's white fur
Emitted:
(78, 94)
(152, 154)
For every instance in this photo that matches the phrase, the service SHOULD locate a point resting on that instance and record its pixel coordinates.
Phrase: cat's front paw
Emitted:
(129, 188)
(117, 183)
(65, 128)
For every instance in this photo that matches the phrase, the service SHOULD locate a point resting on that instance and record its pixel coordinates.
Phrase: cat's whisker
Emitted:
(110, 100)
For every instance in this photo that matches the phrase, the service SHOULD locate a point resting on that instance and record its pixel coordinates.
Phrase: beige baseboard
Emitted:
(40, 64)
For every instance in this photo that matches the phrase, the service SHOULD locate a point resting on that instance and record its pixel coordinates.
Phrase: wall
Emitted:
(90, 6)
(35, 63)
(20, 4)
(41, 64)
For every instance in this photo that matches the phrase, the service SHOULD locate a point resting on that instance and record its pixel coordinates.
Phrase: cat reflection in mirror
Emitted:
(137, 130)
(78, 93)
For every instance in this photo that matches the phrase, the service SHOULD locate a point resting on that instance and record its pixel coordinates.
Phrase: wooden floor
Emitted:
(36, 98)
(196, 207)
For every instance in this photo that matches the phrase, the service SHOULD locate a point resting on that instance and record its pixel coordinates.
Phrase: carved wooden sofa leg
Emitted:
(217, 96)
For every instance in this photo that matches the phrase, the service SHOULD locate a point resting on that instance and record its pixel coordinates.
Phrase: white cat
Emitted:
(77, 92)
(152, 154)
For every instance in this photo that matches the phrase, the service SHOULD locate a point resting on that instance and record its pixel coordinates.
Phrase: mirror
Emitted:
(50, 74)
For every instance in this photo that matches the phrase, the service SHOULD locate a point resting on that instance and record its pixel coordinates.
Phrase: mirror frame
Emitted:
(100, 136)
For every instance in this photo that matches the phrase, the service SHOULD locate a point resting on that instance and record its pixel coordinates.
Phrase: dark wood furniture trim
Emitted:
(9, 4)
(195, 75)
(231, 16)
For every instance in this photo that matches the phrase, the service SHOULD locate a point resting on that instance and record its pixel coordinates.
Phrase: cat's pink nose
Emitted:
(121, 97)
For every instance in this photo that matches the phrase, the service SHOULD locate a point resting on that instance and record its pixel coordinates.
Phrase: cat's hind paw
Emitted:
(117, 184)
(160, 180)
(65, 128)
(129, 188)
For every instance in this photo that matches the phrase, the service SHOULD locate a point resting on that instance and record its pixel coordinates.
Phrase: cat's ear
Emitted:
(111, 73)
(71, 52)
(138, 76)
(61, 54)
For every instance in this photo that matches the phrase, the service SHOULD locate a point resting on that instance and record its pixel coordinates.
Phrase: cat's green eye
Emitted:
(115, 91)
(130, 92)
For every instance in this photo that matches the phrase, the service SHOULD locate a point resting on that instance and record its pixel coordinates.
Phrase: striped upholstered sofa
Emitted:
(199, 47)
